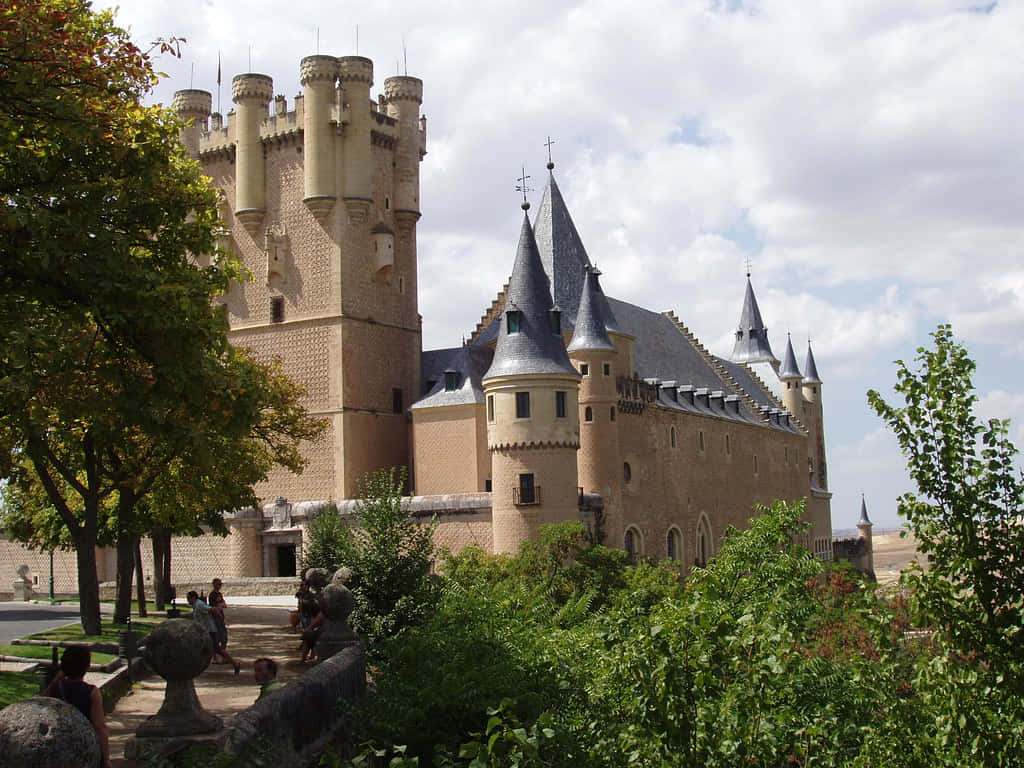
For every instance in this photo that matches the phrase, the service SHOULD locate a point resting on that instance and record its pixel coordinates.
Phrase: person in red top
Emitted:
(69, 686)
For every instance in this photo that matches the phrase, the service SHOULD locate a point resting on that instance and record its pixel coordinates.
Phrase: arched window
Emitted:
(674, 544)
(611, 413)
(703, 543)
(672, 436)
(588, 414)
(633, 544)
(627, 472)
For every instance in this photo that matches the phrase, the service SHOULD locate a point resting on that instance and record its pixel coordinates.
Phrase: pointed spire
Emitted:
(863, 513)
(811, 376)
(789, 369)
(752, 337)
(590, 333)
(561, 249)
(528, 341)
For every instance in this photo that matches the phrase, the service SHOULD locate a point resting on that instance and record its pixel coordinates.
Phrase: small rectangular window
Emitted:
(584, 369)
(487, 485)
(607, 369)
(527, 491)
(556, 321)
(522, 405)
(396, 400)
(700, 440)
(490, 408)
(451, 381)
(560, 405)
(277, 310)
(755, 465)
(512, 319)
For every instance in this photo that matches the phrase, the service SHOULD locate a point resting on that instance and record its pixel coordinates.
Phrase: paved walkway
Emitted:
(257, 626)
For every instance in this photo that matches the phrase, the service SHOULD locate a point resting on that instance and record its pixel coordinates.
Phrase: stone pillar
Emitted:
(356, 76)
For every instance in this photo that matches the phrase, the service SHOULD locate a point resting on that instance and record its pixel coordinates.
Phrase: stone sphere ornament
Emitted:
(317, 578)
(179, 650)
(46, 733)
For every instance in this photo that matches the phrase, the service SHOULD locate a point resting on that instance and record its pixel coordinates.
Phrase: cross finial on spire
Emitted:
(521, 187)
(747, 260)
(548, 144)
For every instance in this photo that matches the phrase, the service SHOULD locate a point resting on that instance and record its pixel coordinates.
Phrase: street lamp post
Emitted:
(51, 575)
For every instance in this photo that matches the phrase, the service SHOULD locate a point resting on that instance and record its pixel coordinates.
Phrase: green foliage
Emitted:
(15, 686)
(325, 542)
(391, 556)
(967, 518)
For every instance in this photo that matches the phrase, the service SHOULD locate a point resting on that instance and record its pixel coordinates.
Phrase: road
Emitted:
(20, 619)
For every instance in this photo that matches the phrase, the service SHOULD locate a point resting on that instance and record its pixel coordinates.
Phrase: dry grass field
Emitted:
(892, 555)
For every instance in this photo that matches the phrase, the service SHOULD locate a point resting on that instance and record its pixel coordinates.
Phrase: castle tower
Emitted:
(814, 421)
(335, 290)
(864, 524)
(532, 392)
(355, 74)
(790, 378)
(751, 336)
(592, 350)
(193, 107)
(251, 94)
(317, 75)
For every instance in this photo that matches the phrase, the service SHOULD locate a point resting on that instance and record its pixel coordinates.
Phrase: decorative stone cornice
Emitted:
(355, 69)
(533, 444)
(252, 87)
(358, 209)
(403, 88)
(315, 68)
(192, 103)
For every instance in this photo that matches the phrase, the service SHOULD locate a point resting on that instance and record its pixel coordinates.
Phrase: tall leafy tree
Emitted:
(115, 367)
(966, 515)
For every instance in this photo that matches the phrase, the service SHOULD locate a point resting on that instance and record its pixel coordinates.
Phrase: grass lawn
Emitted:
(44, 652)
(109, 630)
(15, 686)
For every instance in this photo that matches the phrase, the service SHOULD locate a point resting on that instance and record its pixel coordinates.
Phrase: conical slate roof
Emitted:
(812, 370)
(561, 249)
(752, 337)
(590, 333)
(863, 512)
(789, 369)
(536, 347)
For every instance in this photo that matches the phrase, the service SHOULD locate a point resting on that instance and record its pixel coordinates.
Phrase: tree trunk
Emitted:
(125, 570)
(161, 567)
(88, 585)
(140, 577)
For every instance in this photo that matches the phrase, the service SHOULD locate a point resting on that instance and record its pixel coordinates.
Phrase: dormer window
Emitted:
(451, 380)
(556, 321)
(512, 319)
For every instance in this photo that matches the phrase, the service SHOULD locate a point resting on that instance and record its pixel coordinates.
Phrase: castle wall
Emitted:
(450, 447)
(676, 486)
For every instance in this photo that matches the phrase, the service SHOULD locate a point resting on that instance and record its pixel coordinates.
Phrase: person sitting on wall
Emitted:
(265, 671)
(203, 616)
(70, 686)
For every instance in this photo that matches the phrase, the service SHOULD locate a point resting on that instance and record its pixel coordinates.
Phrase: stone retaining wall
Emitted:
(301, 719)
(275, 585)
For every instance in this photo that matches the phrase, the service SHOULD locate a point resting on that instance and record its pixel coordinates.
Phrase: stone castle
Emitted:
(563, 404)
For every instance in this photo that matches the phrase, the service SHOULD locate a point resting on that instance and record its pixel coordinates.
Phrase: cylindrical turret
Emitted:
(251, 94)
(404, 95)
(790, 378)
(356, 76)
(317, 75)
(814, 420)
(193, 107)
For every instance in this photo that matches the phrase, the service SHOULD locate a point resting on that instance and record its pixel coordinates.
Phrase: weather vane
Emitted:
(521, 187)
(548, 144)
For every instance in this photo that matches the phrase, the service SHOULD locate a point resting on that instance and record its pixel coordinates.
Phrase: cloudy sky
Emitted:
(864, 155)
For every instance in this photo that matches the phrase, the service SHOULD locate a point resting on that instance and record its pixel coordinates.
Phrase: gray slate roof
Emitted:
(590, 333)
(535, 348)
(469, 363)
(752, 337)
(811, 377)
(789, 369)
(863, 512)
